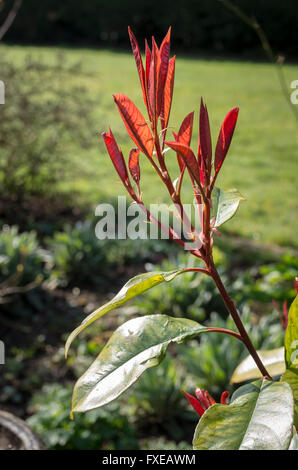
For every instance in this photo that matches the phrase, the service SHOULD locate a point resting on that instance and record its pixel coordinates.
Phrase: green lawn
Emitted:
(262, 162)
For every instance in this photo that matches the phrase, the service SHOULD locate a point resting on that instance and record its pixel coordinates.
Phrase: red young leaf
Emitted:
(164, 53)
(135, 124)
(204, 398)
(184, 136)
(139, 62)
(179, 157)
(283, 318)
(225, 137)
(201, 165)
(133, 164)
(224, 397)
(168, 94)
(185, 131)
(205, 137)
(116, 155)
(188, 157)
(148, 60)
(152, 84)
(195, 404)
(153, 81)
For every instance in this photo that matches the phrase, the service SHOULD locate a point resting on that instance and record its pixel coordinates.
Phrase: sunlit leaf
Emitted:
(259, 417)
(291, 337)
(225, 137)
(115, 154)
(148, 60)
(164, 56)
(205, 136)
(294, 441)
(139, 63)
(291, 377)
(225, 204)
(273, 360)
(184, 136)
(189, 158)
(168, 94)
(135, 124)
(134, 166)
(164, 53)
(135, 286)
(153, 80)
(134, 347)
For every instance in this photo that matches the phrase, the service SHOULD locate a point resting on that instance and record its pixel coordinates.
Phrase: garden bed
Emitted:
(35, 325)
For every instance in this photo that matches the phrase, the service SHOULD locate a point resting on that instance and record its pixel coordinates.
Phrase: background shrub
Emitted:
(190, 295)
(40, 115)
(156, 400)
(80, 257)
(22, 257)
(274, 280)
(213, 359)
(195, 296)
(104, 428)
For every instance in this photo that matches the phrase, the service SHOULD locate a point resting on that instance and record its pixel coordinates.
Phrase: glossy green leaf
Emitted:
(291, 337)
(291, 378)
(225, 204)
(134, 347)
(135, 286)
(273, 360)
(260, 417)
(294, 441)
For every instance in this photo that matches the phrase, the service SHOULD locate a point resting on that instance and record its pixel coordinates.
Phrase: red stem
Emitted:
(225, 331)
(238, 322)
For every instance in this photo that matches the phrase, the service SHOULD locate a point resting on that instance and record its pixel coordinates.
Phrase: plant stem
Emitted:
(238, 322)
(226, 332)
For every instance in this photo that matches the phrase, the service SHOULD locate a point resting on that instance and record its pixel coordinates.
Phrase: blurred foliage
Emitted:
(191, 295)
(195, 296)
(76, 257)
(156, 399)
(155, 405)
(22, 257)
(268, 281)
(40, 114)
(212, 361)
(206, 24)
(161, 443)
(81, 258)
(104, 428)
(24, 268)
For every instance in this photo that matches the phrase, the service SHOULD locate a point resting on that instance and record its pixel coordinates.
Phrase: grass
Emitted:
(262, 162)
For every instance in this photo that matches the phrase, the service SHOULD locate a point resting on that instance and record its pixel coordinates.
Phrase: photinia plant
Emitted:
(260, 414)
